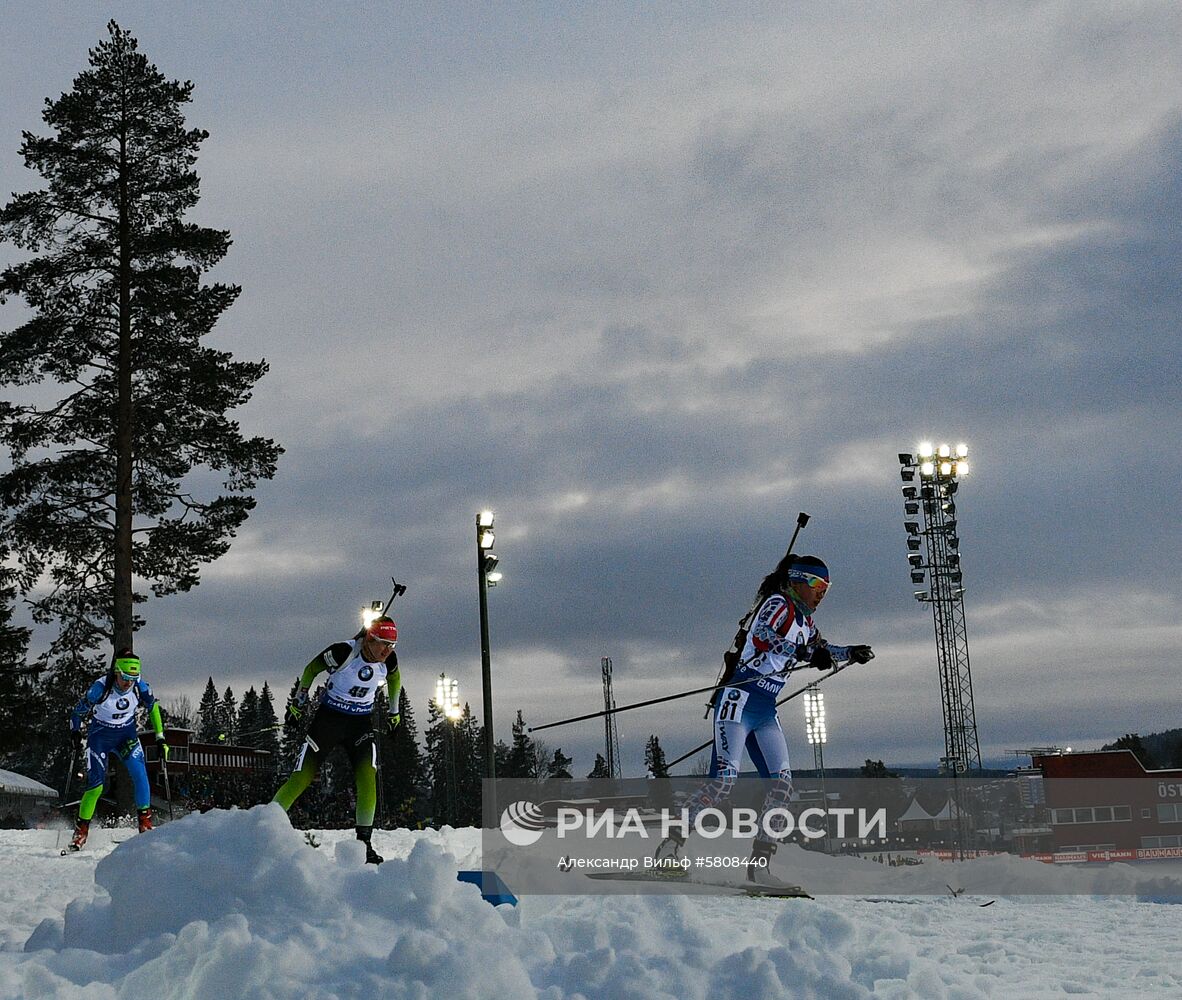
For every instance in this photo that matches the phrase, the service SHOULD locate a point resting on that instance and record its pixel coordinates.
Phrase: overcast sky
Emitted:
(647, 280)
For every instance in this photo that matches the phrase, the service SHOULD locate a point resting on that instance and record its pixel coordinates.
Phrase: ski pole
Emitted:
(70, 772)
(795, 694)
(640, 704)
(167, 788)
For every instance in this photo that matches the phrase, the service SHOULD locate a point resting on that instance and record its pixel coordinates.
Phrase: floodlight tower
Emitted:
(611, 735)
(817, 734)
(933, 546)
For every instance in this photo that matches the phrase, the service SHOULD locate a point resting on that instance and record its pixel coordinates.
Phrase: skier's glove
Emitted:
(299, 704)
(822, 658)
(162, 747)
(861, 654)
(394, 721)
(78, 740)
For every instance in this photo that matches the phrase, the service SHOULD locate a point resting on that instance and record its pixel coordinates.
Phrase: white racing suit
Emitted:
(782, 637)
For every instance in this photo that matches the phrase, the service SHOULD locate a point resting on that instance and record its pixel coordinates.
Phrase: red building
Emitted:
(186, 756)
(1106, 802)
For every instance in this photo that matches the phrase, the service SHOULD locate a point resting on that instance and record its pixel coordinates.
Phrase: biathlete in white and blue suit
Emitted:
(110, 705)
(780, 638)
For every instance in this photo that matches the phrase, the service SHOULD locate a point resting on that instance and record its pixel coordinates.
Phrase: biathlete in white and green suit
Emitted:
(357, 668)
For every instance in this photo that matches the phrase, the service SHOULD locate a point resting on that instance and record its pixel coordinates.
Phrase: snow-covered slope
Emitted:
(235, 904)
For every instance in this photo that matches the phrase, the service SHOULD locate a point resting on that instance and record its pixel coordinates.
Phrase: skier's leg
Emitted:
(730, 733)
(307, 764)
(96, 773)
(132, 754)
(770, 750)
(89, 801)
(364, 754)
(364, 757)
(98, 745)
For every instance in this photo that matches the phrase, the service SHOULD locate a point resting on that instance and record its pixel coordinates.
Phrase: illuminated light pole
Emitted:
(817, 734)
(447, 700)
(488, 576)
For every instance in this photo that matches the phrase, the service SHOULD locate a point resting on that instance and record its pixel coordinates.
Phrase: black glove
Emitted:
(861, 654)
(299, 704)
(822, 658)
(163, 747)
(394, 720)
(78, 740)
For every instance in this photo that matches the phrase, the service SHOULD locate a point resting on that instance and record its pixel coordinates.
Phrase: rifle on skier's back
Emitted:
(730, 659)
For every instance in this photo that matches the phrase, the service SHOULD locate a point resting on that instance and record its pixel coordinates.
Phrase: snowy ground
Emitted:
(235, 904)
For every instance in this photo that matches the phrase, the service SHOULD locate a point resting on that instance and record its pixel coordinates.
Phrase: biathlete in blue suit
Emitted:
(110, 704)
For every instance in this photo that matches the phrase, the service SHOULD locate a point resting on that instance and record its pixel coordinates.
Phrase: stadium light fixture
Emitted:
(814, 717)
(371, 614)
(447, 698)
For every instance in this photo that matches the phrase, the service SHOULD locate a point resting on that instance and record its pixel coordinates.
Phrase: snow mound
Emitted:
(236, 904)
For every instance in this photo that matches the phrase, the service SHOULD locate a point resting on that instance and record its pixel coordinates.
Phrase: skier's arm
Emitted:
(393, 691)
(766, 634)
(326, 659)
(85, 705)
(157, 721)
(826, 654)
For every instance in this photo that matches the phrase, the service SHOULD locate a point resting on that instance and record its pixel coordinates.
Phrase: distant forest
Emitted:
(1155, 751)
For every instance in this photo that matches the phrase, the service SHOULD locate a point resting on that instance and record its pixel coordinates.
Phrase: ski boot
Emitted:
(371, 856)
(145, 820)
(666, 861)
(81, 830)
(759, 877)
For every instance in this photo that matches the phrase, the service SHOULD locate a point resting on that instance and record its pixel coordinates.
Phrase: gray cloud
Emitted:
(648, 285)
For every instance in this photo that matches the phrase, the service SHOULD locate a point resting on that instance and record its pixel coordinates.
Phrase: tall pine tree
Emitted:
(654, 758)
(246, 723)
(229, 717)
(470, 769)
(600, 769)
(118, 313)
(404, 772)
(523, 757)
(268, 725)
(16, 679)
(209, 714)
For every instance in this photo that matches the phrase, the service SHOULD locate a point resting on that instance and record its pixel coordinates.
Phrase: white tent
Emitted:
(949, 813)
(916, 814)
